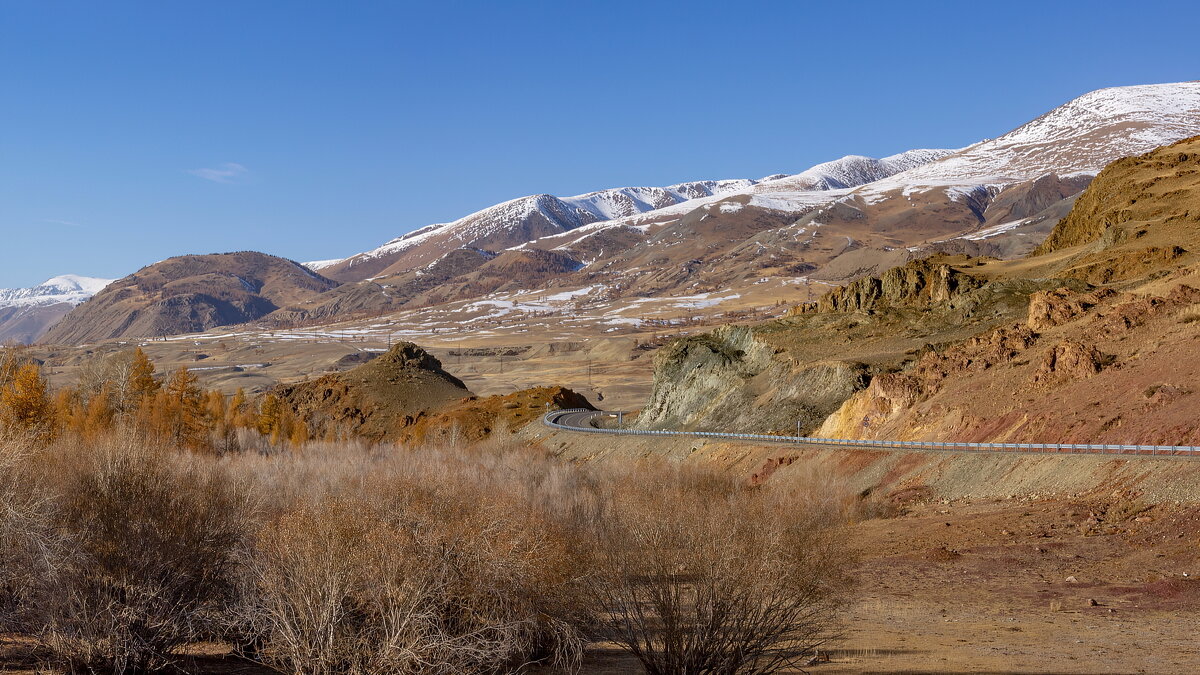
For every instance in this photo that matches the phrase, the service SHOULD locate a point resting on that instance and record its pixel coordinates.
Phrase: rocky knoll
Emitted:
(405, 395)
(189, 294)
(378, 399)
(730, 380)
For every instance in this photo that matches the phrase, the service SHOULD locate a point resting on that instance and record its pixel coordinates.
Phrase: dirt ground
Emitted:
(1008, 587)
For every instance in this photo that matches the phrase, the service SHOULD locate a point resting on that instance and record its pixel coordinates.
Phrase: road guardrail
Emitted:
(551, 419)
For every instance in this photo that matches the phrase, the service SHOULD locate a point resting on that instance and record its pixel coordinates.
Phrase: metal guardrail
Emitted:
(550, 419)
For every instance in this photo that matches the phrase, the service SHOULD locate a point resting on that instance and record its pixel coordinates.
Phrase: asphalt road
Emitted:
(586, 421)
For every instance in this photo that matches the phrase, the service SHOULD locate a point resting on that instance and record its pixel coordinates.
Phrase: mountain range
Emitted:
(833, 223)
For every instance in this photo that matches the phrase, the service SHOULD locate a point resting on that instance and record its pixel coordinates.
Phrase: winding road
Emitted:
(587, 421)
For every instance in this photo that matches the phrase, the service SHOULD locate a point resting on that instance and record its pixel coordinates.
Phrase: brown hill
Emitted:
(405, 395)
(189, 294)
(1141, 215)
(378, 399)
(473, 419)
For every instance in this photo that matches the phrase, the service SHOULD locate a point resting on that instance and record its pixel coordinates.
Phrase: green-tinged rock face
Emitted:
(727, 380)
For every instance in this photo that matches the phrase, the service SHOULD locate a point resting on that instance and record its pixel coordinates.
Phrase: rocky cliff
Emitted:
(919, 283)
(729, 380)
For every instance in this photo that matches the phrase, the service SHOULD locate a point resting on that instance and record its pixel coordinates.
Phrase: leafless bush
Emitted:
(146, 561)
(412, 576)
(695, 576)
(360, 558)
(27, 538)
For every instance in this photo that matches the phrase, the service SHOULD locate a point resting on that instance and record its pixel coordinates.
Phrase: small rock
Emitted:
(1072, 580)
(1091, 602)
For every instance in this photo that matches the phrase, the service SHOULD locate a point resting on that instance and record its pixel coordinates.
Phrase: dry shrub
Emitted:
(145, 561)
(1189, 314)
(357, 558)
(695, 576)
(27, 538)
(418, 572)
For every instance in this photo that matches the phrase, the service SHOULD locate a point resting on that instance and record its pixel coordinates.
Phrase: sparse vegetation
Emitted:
(134, 527)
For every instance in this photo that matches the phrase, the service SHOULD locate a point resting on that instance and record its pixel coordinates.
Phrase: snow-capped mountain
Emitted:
(514, 222)
(68, 288)
(1081, 136)
(518, 221)
(27, 313)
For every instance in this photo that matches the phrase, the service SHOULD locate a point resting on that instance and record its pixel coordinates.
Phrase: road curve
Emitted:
(580, 420)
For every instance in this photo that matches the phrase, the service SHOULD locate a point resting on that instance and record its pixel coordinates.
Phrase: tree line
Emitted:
(122, 391)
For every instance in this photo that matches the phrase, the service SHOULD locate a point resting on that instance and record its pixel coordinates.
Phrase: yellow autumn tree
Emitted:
(270, 415)
(99, 416)
(141, 375)
(179, 410)
(24, 401)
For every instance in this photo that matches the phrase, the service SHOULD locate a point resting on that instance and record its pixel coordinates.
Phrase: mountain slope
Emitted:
(27, 313)
(189, 294)
(1091, 339)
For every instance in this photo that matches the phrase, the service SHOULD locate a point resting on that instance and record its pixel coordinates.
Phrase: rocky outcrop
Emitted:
(1048, 309)
(974, 354)
(919, 283)
(1069, 360)
(728, 380)
(870, 409)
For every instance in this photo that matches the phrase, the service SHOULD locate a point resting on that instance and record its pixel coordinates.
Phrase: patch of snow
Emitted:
(317, 265)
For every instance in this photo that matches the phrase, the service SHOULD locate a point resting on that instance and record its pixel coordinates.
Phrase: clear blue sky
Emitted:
(133, 131)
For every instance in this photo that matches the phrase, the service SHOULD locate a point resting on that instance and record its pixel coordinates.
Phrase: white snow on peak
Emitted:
(855, 170)
(316, 265)
(562, 213)
(68, 288)
(1081, 136)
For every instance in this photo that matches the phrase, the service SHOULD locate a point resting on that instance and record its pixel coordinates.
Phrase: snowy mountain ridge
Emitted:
(563, 214)
(1080, 136)
(68, 288)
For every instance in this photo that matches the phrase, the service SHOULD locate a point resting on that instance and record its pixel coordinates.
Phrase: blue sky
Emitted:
(134, 131)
